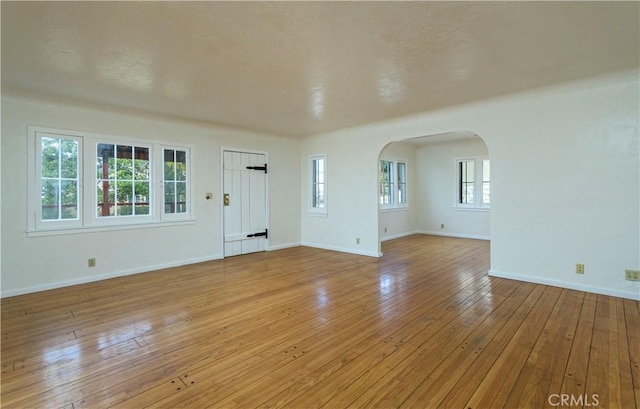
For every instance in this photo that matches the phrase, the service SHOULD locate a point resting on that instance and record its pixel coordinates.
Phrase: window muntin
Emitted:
(473, 183)
(59, 167)
(393, 184)
(318, 194)
(123, 180)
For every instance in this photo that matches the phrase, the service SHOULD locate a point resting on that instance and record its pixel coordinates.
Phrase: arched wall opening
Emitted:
(436, 184)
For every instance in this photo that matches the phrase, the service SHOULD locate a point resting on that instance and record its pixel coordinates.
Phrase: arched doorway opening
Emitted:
(437, 184)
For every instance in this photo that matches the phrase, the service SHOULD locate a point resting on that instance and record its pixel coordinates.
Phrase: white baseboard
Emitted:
(90, 279)
(397, 236)
(458, 235)
(563, 284)
(283, 246)
(343, 249)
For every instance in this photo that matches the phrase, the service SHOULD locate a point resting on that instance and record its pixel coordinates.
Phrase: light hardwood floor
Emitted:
(422, 327)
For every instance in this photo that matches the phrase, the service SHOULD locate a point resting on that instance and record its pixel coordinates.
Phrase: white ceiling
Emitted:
(299, 68)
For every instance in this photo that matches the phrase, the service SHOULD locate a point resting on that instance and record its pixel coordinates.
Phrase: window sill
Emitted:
(318, 214)
(394, 209)
(98, 229)
(471, 209)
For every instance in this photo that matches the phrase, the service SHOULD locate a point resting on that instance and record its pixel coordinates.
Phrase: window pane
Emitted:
(387, 186)
(486, 170)
(486, 193)
(124, 164)
(106, 165)
(69, 156)
(141, 164)
(119, 168)
(50, 157)
(318, 183)
(466, 181)
(105, 208)
(318, 170)
(385, 171)
(469, 193)
(181, 165)
(470, 169)
(111, 199)
(50, 195)
(321, 200)
(102, 209)
(385, 193)
(125, 195)
(69, 199)
(486, 182)
(175, 174)
(169, 197)
(169, 165)
(59, 178)
(141, 198)
(402, 183)
(402, 172)
(181, 197)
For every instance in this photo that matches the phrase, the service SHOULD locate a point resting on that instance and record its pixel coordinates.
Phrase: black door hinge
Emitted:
(264, 233)
(258, 168)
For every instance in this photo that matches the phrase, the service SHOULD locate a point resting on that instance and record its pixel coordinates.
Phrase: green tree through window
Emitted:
(123, 180)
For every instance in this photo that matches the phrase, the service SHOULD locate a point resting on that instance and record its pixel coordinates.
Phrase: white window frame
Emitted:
(161, 205)
(35, 199)
(317, 210)
(88, 220)
(477, 184)
(395, 183)
(95, 220)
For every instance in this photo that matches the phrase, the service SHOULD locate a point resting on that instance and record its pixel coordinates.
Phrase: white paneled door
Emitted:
(245, 203)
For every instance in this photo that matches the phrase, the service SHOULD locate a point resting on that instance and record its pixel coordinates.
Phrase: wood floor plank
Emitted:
(632, 321)
(423, 326)
(627, 395)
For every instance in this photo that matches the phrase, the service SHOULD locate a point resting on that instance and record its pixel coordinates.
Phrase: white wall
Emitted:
(566, 181)
(437, 187)
(35, 263)
(401, 221)
(350, 167)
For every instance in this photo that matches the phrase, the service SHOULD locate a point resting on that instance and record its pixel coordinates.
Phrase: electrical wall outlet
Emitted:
(579, 268)
(632, 275)
(357, 240)
(92, 262)
(385, 229)
(442, 226)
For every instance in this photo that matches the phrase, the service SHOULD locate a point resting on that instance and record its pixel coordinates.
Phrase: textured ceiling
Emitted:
(299, 68)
